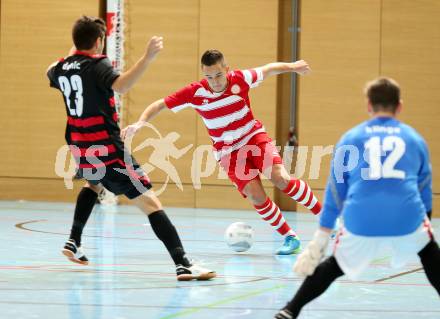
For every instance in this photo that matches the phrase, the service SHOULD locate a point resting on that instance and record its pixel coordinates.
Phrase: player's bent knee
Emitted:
(148, 202)
(255, 192)
(280, 182)
(279, 177)
(96, 188)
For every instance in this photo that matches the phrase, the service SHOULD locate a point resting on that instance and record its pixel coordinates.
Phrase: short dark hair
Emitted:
(383, 94)
(211, 57)
(86, 30)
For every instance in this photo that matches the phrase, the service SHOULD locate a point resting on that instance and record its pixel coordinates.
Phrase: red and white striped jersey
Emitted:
(227, 115)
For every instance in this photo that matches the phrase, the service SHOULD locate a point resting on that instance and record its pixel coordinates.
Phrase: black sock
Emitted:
(429, 214)
(84, 206)
(430, 257)
(315, 285)
(166, 232)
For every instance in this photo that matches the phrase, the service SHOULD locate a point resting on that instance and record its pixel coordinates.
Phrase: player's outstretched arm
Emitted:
(71, 52)
(301, 67)
(151, 111)
(425, 177)
(337, 187)
(127, 79)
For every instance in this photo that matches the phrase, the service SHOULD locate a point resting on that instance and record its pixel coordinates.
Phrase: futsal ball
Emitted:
(239, 236)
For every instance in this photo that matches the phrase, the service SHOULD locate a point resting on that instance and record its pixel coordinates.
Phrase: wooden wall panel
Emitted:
(346, 43)
(54, 190)
(436, 205)
(38, 189)
(175, 67)
(248, 38)
(285, 23)
(32, 115)
(245, 44)
(341, 41)
(410, 50)
(388, 37)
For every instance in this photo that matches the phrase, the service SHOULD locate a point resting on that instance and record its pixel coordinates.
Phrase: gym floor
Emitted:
(132, 276)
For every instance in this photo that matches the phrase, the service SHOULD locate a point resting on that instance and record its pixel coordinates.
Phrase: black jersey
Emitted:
(92, 129)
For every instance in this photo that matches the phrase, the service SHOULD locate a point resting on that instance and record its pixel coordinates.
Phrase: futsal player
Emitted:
(240, 142)
(88, 81)
(385, 198)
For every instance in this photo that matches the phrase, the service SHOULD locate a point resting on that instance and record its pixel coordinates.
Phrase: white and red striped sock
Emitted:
(299, 191)
(270, 212)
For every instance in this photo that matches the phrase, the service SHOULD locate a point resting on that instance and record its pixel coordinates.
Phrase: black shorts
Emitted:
(119, 177)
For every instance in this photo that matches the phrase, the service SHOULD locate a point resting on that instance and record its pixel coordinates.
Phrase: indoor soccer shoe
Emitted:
(291, 245)
(194, 272)
(284, 314)
(74, 253)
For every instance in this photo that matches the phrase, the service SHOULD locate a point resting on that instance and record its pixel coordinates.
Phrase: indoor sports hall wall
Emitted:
(35, 127)
(349, 42)
(33, 35)
(188, 31)
(346, 42)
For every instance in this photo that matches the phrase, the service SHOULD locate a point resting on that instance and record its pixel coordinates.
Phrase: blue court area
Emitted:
(131, 275)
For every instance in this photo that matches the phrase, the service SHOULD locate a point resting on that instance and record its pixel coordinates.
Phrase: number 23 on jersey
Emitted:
(67, 87)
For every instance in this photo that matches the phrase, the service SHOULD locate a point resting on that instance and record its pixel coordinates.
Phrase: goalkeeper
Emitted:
(380, 182)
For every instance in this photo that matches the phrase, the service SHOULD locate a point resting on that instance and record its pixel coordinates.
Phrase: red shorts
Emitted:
(246, 164)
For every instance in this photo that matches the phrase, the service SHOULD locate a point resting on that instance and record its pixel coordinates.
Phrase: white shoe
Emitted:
(74, 253)
(194, 272)
(284, 314)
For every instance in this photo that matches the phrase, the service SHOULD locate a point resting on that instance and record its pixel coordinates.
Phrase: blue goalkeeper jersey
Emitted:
(380, 180)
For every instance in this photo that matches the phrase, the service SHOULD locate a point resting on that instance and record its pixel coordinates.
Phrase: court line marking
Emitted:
(22, 227)
(376, 262)
(13, 302)
(381, 260)
(210, 283)
(199, 212)
(398, 275)
(222, 302)
(249, 279)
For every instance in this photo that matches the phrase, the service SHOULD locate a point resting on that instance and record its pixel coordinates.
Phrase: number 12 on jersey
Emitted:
(75, 84)
(375, 150)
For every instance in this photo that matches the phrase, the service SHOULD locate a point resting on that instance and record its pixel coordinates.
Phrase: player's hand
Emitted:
(130, 130)
(153, 47)
(309, 259)
(301, 67)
